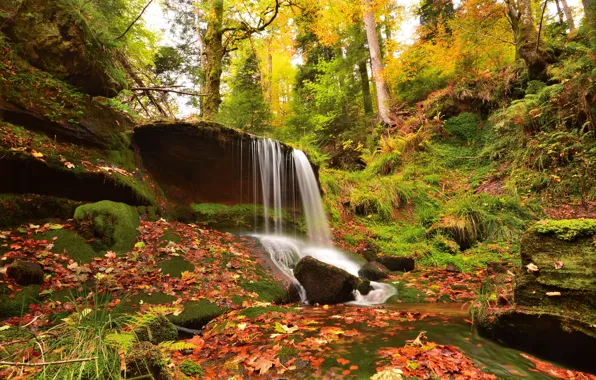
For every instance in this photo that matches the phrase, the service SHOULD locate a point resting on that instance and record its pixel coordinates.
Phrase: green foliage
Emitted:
(568, 229)
(114, 224)
(190, 368)
(380, 197)
(464, 126)
(245, 107)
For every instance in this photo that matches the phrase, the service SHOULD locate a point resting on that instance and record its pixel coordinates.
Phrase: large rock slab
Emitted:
(564, 252)
(374, 271)
(398, 263)
(549, 334)
(324, 283)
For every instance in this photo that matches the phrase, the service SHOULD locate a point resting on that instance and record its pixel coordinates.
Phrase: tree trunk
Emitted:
(528, 46)
(568, 15)
(214, 51)
(383, 97)
(559, 12)
(368, 109)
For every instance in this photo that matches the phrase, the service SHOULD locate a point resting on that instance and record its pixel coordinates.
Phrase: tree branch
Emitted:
(540, 27)
(161, 89)
(485, 35)
(135, 21)
(260, 27)
(43, 364)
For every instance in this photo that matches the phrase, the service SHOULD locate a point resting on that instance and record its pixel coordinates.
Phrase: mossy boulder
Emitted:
(25, 273)
(324, 283)
(397, 263)
(158, 330)
(374, 271)
(545, 332)
(197, 314)
(113, 225)
(175, 266)
(19, 302)
(144, 360)
(190, 368)
(564, 251)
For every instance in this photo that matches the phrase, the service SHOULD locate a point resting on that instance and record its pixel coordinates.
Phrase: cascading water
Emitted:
(277, 172)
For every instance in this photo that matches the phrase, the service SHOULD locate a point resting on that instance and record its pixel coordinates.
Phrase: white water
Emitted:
(269, 163)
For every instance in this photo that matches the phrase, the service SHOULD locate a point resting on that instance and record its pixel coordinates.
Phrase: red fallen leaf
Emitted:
(557, 372)
(343, 361)
(346, 372)
(353, 367)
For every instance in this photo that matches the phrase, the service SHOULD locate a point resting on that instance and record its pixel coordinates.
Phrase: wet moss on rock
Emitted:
(17, 209)
(114, 225)
(568, 229)
(197, 314)
(268, 289)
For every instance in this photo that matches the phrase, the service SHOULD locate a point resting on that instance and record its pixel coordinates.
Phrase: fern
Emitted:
(176, 346)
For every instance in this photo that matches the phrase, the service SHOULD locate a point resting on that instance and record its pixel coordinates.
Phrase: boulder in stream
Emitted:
(398, 263)
(374, 271)
(324, 283)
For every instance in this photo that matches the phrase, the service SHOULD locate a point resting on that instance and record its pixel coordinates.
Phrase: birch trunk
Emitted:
(383, 97)
(568, 15)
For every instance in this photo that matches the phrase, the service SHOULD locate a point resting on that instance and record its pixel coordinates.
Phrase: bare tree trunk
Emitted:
(214, 51)
(559, 12)
(383, 97)
(528, 46)
(568, 15)
(368, 109)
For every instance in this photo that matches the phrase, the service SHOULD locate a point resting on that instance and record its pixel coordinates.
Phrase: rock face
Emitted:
(60, 41)
(565, 254)
(397, 263)
(324, 283)
(202, 162)
(374, 271)
(25, 273)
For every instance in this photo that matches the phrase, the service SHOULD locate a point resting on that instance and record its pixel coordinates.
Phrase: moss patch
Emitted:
(244, 215)
(567, 229)
(71, 244)
(175, 266)
(14, 307)
(197, 314)
(17, 209)
(257, 311)
(113, 224)
(268, 289)
(406, 294)
(130, 304)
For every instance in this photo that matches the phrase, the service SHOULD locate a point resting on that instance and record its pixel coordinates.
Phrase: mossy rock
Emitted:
(113, 225)
(148, 213)
(25, 273)
(236, 216)
(144, 360)
(71, 244)
(190, 368)
(545, 332)
(548, 245)
(197, 314)
(15, 307)
(324, 283)
(175, 266)
(374, 271)
(17, 209)
(158, 330)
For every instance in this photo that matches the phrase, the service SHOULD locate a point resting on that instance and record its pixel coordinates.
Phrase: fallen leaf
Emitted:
(558, 264)
(553, 294)
(532, 268)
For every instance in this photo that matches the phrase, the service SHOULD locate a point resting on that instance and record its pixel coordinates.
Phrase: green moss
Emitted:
(152, 299)
(463, 126)
(114, 224)
(169, 236)
(406, 294)
(268, 289)
(190, 368)
(17, 209)
(569, 229)
(197, 314)
(243, 215)
(175, 266)
(257, 311)
(286, 353)
(158, 330)
(71, 244)
(15, 307)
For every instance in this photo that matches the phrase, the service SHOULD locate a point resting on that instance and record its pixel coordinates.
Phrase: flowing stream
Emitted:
(278, 172)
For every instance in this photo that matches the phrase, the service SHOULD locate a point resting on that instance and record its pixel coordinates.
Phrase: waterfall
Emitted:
(277, 173)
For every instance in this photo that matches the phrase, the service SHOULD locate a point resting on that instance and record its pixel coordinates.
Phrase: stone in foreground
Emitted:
(374, 271)
(324, 283)
(25, 273)
(397, 263)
